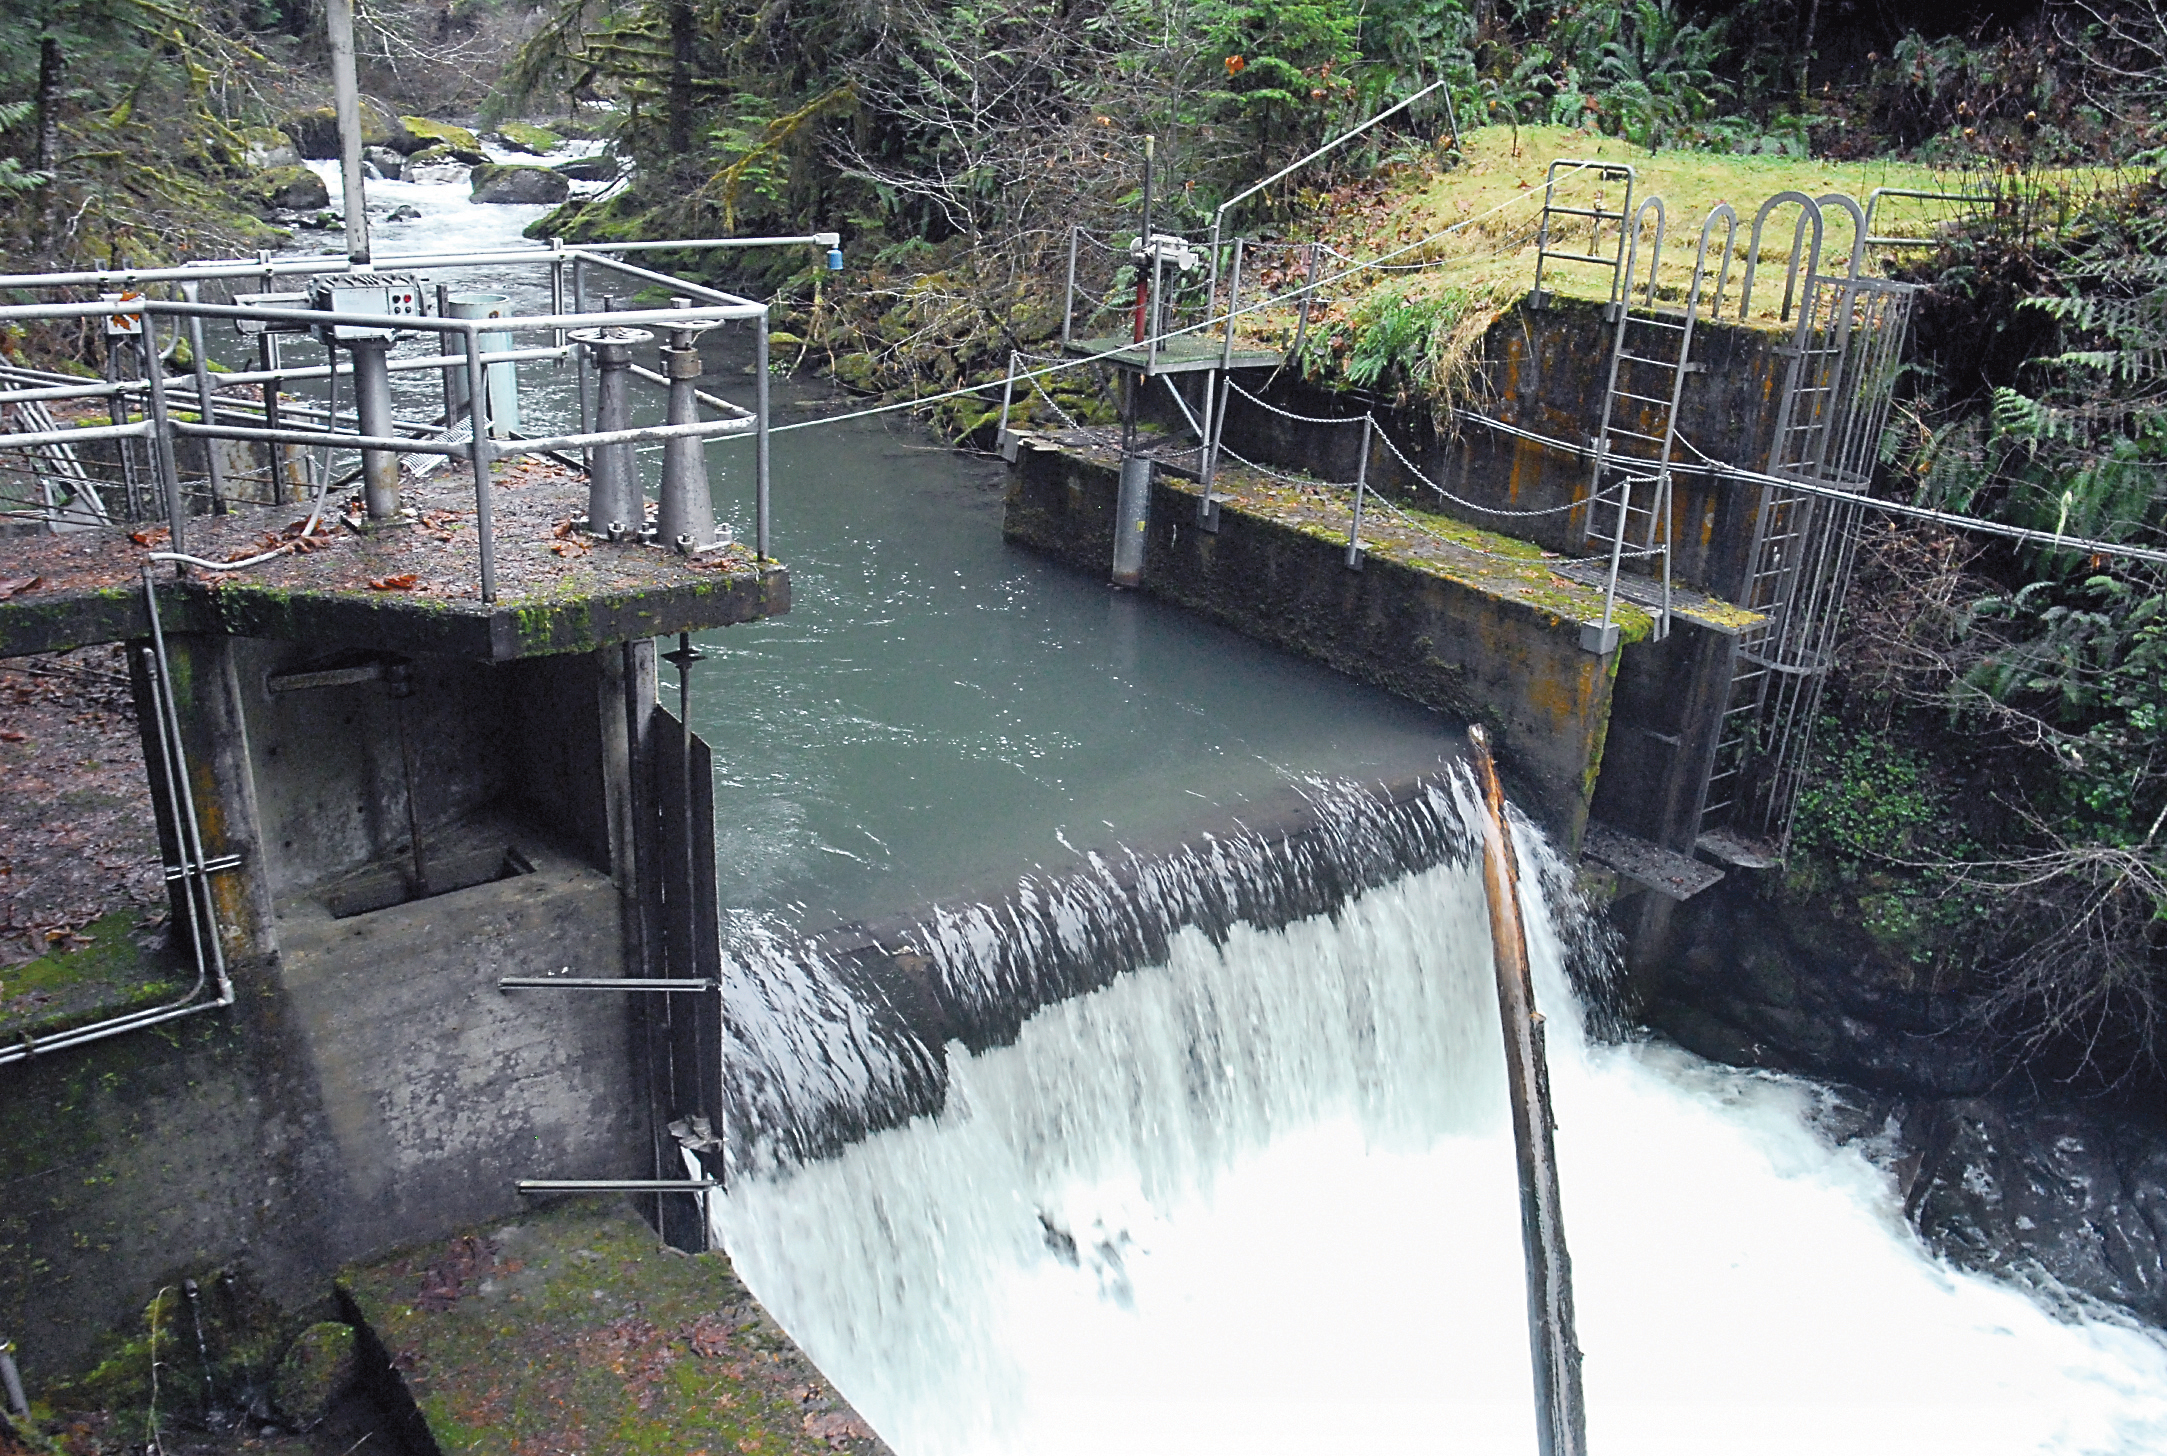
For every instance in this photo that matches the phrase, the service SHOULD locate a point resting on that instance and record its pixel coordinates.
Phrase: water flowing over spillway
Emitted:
(1259, 1197)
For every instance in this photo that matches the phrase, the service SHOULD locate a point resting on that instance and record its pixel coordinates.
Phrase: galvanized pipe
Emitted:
(169, 469)
(372, 410)
(481, 451)
(760, 454)
(206, 410)
(687, 515)
(1361, 488)
(346, 102)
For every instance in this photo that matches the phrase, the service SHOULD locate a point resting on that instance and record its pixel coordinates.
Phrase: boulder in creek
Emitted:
(290, 189)
(598, 168)
(389, 164)
(436, 164)
(263, 146)
(517, 136)
(315, 132)
(456, 139)
(494, 183)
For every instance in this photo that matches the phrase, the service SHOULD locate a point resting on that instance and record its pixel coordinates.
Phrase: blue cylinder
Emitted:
(835, 260)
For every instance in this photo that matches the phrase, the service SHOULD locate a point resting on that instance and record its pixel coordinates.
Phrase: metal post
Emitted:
(1361, 487)
(346, 101)
(481, 452)
(372, 410)
(1068, 294)
(1209, 512)
(614, 504)
(453, 373)
(278, 455)
(1309, 291)
(503, 376)
(760, 456)
(687, 517)
(1233, 297)
(118, 409)
(1008, 397)
(1560, 1415)
(1143, 242)
(206, 411)
(586, 385)
(169, 470)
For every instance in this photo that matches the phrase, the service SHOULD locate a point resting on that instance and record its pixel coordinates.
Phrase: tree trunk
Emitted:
(684, 33)
(49, 69)
(1805, 51)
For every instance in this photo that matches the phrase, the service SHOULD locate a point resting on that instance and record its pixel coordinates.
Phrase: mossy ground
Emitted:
(572, 1329)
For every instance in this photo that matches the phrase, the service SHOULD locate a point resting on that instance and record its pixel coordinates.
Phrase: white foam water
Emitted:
(1260, 1198)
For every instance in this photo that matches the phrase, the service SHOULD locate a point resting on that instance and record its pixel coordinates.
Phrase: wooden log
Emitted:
(1560, 1415)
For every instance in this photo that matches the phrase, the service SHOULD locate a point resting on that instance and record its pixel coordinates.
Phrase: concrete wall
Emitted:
(371, 1086)
(1475, 656)
(1546, 371)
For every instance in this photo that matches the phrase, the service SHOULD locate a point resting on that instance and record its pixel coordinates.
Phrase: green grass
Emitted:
(108, 975)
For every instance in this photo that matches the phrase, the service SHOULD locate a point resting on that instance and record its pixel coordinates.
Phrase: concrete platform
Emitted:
(413, 587)
(573, 1329)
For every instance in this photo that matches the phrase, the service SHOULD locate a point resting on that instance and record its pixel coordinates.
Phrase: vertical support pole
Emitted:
(1008, 398)
(206, 409)
(1068, 293)
(346, 102)
(118, 409)
(1309, 293)
(1560, 1416)
(481, 452)
(372, 409)
(1361, 488)
(279, 456)
(168, 467)
(1143, 243)
(760, 452)
(1132, 520)
(687, 517)
(453, 373)
(586, 384)
(1233, 297)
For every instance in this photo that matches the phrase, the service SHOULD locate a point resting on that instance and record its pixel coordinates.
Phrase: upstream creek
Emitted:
(1257, 1196)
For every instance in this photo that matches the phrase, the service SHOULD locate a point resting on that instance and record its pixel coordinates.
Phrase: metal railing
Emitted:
(146, 408)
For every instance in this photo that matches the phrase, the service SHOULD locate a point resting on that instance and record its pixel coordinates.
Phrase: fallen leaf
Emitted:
(12, 737)
(394, 583)
(15, 585)
(154, 536)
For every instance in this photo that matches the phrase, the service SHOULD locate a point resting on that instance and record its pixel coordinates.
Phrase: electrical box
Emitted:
(368, 293)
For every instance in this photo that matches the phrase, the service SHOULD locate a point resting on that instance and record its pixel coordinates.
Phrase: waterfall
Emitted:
(1256, 1194)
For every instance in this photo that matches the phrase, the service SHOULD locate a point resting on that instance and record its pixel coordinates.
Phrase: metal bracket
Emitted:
(1207, 515)
(1598, 638)
(216, 866)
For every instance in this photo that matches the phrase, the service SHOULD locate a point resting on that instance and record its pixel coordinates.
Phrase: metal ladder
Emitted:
(1636, 446)
(1846, 344)
(1551, 240)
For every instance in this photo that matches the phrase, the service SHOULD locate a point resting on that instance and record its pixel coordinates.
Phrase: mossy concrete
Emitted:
(570, 1328)
(1491, 639)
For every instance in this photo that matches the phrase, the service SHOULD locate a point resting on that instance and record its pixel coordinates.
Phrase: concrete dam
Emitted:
(1069, 1007)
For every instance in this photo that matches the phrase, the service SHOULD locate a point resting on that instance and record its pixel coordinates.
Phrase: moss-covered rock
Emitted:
(520, 137)
(315, 132)
(444, 134)
(513, 184)
(319, 1367)
(289, 189)
(265, 146)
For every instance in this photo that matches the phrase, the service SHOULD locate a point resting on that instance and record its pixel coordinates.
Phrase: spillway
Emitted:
(1258, 1196)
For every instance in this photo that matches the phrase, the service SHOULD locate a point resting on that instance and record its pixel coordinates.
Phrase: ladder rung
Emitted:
(1578, 257)
(1555, 211)
(1643, 398)
(1643, 359)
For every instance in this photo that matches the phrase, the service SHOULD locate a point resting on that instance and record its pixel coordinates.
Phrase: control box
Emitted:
(248, 328)
(370, 293)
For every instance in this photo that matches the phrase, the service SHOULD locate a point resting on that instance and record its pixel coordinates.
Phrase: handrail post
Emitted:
(154, 372)
(206, 411)
(481, 451)
(1560, 1414)
(760, 451)
(1361, 488)
(1068, 295)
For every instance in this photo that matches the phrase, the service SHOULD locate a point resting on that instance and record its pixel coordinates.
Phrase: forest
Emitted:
(1991, 797)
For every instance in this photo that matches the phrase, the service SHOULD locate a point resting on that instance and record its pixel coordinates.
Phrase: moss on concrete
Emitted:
(100, 971)
(573, 1329)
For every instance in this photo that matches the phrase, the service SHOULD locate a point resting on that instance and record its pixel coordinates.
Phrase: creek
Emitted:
(1257, 1195)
